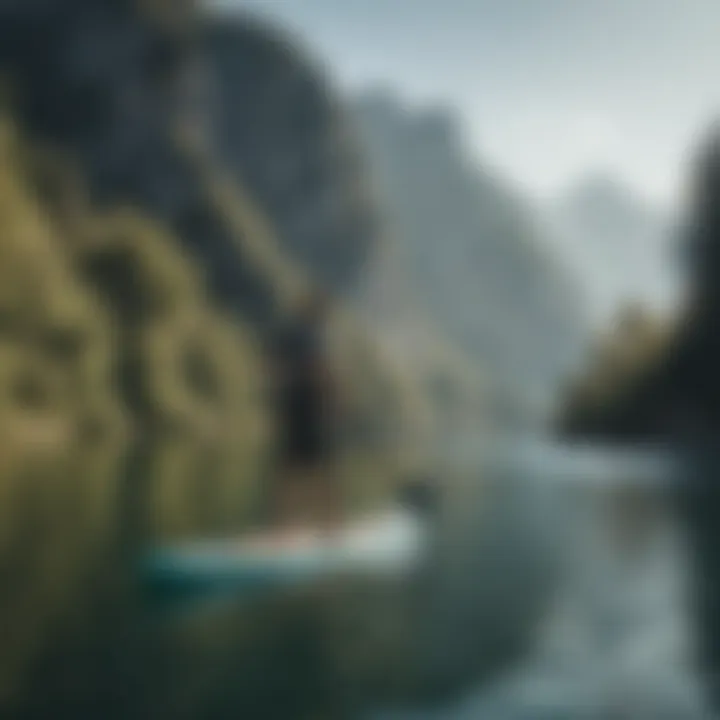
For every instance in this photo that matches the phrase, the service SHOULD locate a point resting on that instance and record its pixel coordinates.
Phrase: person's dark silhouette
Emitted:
(307, 486)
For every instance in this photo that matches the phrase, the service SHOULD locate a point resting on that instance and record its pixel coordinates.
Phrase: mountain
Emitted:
(470, 247)
(221, 154)
(618, 244)
(140, 278)
(279, 127)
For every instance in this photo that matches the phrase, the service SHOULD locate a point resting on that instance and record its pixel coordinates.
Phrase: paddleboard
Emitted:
(390, 542)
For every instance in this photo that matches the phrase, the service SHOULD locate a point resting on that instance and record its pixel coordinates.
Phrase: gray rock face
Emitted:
(470, 247)
(280, 130)
(115, 89)
(110, 87)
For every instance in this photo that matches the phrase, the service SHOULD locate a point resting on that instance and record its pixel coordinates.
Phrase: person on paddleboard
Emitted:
(307, 488)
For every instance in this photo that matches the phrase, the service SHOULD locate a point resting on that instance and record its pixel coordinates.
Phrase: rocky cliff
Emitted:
(279, 127)
(138, 278)
(471, 248)
(163, 129)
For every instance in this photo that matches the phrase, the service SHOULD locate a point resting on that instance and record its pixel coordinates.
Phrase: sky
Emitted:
(549, 90)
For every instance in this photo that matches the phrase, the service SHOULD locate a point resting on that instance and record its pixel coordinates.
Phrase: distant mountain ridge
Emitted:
(470, 247)
(619, 245)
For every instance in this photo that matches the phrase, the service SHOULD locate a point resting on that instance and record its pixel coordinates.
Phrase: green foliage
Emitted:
(616, 367)
(133, 408)
(108, 336)
(106, 333)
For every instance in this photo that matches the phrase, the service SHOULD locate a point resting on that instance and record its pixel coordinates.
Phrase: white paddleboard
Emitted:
(390, 542)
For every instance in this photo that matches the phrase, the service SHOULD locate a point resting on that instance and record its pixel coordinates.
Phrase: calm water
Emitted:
(616, 641)
(521, 607)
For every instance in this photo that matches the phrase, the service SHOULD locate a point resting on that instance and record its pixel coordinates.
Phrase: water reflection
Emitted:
(617, 642)
(550, 597)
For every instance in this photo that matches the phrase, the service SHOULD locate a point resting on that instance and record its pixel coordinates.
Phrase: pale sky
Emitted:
(549, 90)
